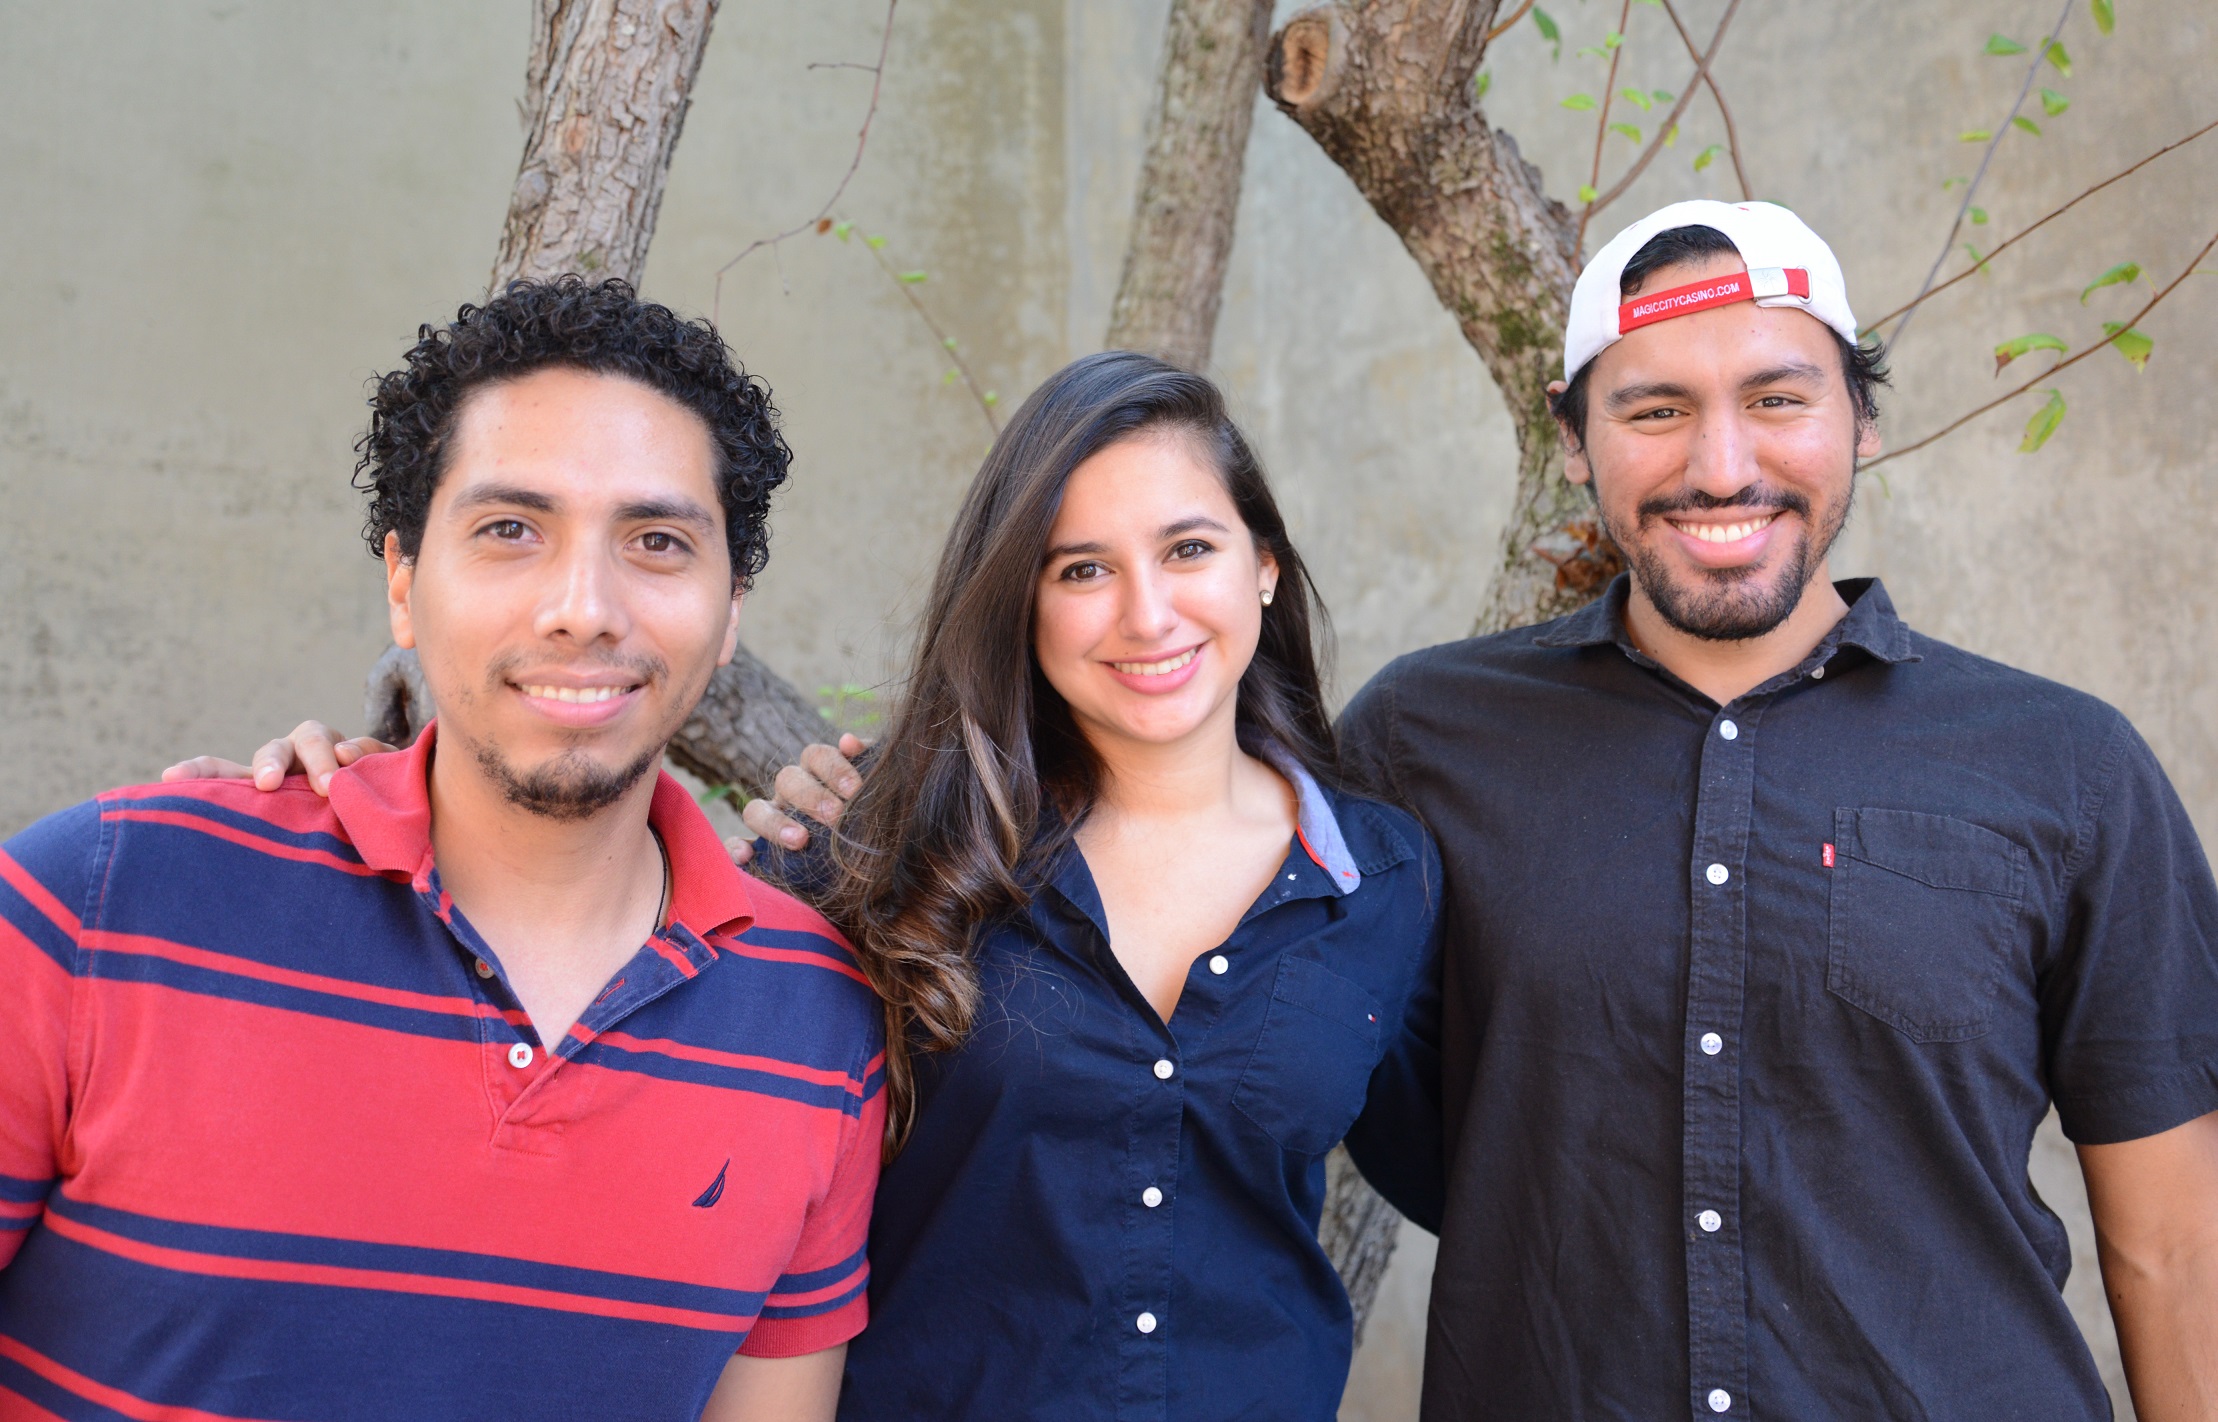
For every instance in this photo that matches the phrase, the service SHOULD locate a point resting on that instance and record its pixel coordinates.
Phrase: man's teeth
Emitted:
(1157, 668)
(1726, 532)
(581, 694)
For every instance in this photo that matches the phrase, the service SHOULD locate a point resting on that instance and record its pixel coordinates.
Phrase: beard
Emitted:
(573, 786)
(1731, 604)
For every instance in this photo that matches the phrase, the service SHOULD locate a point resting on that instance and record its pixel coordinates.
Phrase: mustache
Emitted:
(1756, 498)
(505, 668)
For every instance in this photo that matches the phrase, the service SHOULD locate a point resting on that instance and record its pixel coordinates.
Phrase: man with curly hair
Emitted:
(485, 1086)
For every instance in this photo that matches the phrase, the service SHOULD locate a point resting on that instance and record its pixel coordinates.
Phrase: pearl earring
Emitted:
(1266, 597)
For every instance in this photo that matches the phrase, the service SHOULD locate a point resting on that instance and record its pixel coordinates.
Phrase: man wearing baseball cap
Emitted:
(1774, 929)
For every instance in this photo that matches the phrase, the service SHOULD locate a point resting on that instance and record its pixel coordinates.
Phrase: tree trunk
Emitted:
(1189, 193)
(605, 97)
(1385, 88)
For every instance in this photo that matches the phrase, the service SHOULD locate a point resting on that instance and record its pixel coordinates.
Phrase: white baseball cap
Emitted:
(1788, 265)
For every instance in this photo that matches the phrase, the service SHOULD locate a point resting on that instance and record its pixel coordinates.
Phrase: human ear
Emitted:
(731, 631)
(400, 581)
(1269, 562)
(1868, 442)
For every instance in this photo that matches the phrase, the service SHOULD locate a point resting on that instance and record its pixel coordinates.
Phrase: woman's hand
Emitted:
(819, 787)
(313, 749)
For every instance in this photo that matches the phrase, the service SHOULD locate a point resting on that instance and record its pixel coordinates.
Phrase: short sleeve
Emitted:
(2130, 1007)
(820, 1300)
(45, 876)
(1399, 1142)
(1366, 732)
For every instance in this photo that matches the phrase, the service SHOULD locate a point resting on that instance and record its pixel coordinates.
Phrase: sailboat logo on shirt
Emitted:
(715, 1191)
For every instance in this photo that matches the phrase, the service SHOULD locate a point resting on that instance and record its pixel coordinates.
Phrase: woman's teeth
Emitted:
(1725, 532)
(1157, 668)
(583, 694)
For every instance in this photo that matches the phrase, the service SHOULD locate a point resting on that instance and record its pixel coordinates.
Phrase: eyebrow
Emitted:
(1796, 371)
(672, 510)
(515, 496)
(479, 496)
(1793, 371)
(1165, 533)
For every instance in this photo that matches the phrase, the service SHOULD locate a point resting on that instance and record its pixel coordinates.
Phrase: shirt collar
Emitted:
(1871, 623)
(383, 802)
(1315, 824)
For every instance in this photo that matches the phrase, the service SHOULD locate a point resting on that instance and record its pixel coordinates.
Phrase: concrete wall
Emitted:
(220, 218)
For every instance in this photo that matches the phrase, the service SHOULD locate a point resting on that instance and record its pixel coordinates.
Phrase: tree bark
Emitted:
(1384, 86)
(1189, 193)
(605, 96)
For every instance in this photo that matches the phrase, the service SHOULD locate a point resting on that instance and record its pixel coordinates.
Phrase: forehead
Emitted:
(1722, 344)
(1140, 481)
(581, 435)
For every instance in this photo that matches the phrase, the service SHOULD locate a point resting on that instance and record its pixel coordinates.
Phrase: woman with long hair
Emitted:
(1145, 959)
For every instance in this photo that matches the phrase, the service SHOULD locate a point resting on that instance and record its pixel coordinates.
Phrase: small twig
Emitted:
(1732, 134)
(862, 141)
(845, 64)
(2016, 238)
(1602, 123)
(1655, 145)
(978, 392)
(1994, 141)
(2126, 326)
(1507, 25)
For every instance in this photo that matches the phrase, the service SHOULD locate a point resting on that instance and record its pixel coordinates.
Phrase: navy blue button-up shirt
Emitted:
(1104, 1215)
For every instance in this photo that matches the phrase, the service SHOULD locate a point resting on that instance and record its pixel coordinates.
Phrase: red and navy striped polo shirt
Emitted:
(277, 1141)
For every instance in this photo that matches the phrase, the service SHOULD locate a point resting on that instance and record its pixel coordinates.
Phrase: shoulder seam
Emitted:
(2104, 781)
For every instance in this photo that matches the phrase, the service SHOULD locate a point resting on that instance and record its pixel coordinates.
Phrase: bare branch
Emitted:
(2051, 216)
(1602, 122)
(1724, 112)
(978, 393)
(1655, 145)
(1994, 141)
(1507, 25)
(2053, 370)
(862, 141)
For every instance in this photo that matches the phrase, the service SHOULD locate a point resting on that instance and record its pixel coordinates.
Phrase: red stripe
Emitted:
(389, 1281)
(790, 955)
(830, 1291)
(113, 1399)
(104, 940)
(183, 820)
(680, 1050)
(673, 956)
(293, 807)
(20, 879)
(1683, 301)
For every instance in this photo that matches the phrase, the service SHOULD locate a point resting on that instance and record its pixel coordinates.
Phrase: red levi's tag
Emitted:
(1829, 856)
(1718, 291)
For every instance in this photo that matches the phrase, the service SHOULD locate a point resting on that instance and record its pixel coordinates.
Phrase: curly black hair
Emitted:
(604, 328)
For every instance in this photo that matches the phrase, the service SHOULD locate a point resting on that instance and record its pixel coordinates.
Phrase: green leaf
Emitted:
(1653, 4)
(913, 277)
(1638, 99)
(2106, 18)
(2118, 275)
(2017, 346)
(1671, 136)
(2053, 102)
(2003, 44)
(1612, 40)
(875, 243)
(1579, 101)
(1952, 182)
(1631, 131)
(1979, 217)
(1707, 156)
(2131, 344)
(2044, 423)
(1548, 29)
(1979, 263)
(723, 792)
(843, 230)
(1587, 194)
(2059, 57)
(949, 376)
(1480, 85)
(2021, 121)
(1662, 96)
(1975, 135)
(991, 397)
(1594, 49)
(948, 341)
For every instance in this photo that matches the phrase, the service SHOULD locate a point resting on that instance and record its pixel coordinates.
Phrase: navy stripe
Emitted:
(802, 941)
(121, 966)
(44, 933)
(812, 1310)
(20, 1380)
(21, 1190)
(271, 1246)
(602, 1053)
(17, 1226)
(238, 820)
(819, 1278)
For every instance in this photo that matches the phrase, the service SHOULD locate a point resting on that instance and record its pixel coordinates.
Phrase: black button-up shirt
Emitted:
(1102, 1215)
(1752, 1011)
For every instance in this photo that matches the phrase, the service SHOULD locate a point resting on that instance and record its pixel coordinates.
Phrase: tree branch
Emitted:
(862, 141)
(1655, 145)
(1732, 134)
(1509, 24)
(2053, 370)
(983, 397)
(2055, 213)
(1994, 141)
(1602, 121)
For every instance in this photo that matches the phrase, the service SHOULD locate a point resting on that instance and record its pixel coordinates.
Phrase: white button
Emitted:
(519, 1056)
(1289, 878)
(1163, 1070)
(1151, 1197)
(1720, 1400)
(1716, 873)
(1711, 1221)
(1219, 964)
(1728, 730)
(1146, 1322)
(484, 969)
(1712, 1044)
(1817, 673)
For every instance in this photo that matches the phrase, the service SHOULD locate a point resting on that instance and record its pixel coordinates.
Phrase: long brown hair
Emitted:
(983, 775)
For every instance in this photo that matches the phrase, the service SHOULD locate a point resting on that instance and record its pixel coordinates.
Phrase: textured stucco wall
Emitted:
(220, 218)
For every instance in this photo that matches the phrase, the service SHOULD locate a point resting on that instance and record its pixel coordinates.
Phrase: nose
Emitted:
(1149, 611)
(582, 602)
(1722, 458)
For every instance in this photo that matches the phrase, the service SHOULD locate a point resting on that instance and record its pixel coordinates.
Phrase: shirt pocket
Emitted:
(1306, 1080)
(1925, 915)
